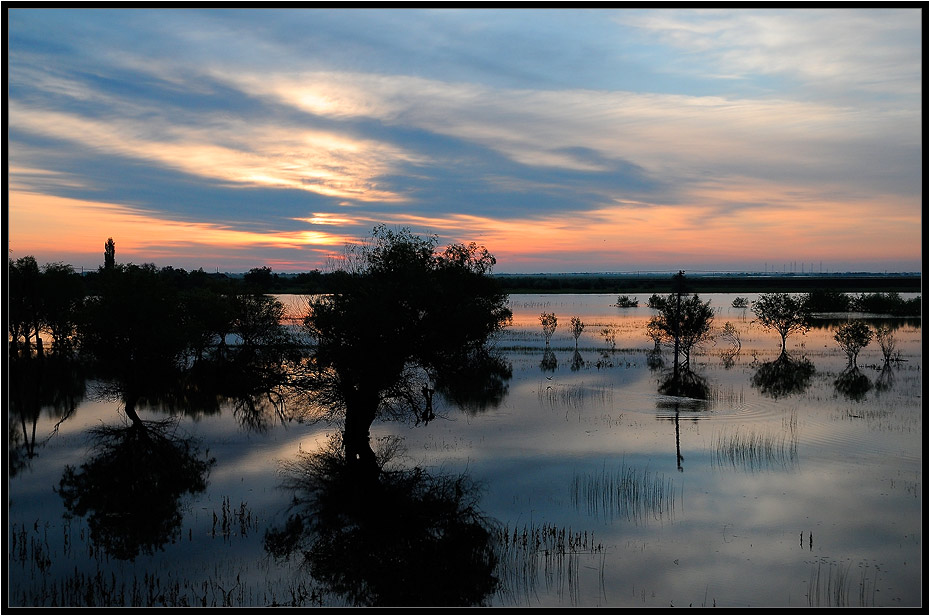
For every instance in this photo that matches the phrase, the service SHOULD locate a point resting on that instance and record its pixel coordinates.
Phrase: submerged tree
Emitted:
(887, 342)
(549, 322)
(683, 322)
(577, 329)
(784, 313)
(852, 338)
(405, 322)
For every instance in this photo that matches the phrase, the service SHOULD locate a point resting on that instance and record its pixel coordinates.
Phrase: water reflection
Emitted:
(784, 376)
(852, 384)
(684, 384)
(410, 539)
(686, 391)
(886, 378)
(577, 361)
(477, 386)
(53, 383)
(549, 362)
(131, 487)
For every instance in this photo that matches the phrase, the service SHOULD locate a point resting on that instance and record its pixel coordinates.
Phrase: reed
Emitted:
(626, 493)
(548, 556)
(755, 451)
(830, 585)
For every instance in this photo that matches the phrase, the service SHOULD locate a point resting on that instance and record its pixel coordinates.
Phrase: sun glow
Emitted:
(43, 224)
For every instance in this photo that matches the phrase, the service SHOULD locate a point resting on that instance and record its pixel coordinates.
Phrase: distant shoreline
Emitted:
(704, 283)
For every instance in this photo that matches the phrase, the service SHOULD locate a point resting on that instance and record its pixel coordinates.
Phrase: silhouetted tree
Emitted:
(826, 300)
(740, 302)
(25, 304)
(132, 328)
(784, 313)
(403, 321)
(62, 297)
(683, 322)
(109, 254)
(886, 341)
(549, 323)
(625, 301)
(577, 329)
(260, 279)
(852, 338)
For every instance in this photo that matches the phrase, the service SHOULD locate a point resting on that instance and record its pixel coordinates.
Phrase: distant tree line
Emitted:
(729, 283)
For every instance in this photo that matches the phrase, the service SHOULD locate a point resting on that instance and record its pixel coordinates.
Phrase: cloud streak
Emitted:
(615, 138)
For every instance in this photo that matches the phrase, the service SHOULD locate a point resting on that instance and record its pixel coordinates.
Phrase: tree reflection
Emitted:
(784, 376)
(684, 384)
(130, 488)
(852, 384)
(477, 386)
(549, 362)
(424, 543)
(886, 378)
(577, 361)
(688, 391)
(53, 383)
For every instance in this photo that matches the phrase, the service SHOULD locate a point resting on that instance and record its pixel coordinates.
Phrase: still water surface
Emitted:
(760, 495)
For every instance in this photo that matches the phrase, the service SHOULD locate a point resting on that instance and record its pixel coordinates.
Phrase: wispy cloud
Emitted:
(551, 136)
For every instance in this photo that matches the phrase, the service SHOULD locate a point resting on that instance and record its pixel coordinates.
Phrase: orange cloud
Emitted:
(48, 224)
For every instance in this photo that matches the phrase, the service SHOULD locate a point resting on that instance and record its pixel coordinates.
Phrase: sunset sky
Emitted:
(564, 140)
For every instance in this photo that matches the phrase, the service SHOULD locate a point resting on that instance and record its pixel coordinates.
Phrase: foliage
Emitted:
(549, 323)
(886, 341)
(109, 254)
(25, 304)
(886, 303)
(784, 313)
(405, 321)
(852, 338)
(577, 329)
(826, 300)
(740, 302)
(625, 301)
(682, 323)
(655, 301)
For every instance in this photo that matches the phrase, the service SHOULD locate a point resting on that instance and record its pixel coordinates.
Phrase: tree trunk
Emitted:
(361, 408)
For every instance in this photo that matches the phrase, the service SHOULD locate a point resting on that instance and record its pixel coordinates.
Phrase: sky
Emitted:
(563, 140)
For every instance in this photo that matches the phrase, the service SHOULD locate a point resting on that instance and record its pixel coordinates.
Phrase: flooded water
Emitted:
(786, 485)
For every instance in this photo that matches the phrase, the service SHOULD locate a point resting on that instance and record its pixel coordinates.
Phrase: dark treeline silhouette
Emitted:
(724, 283)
